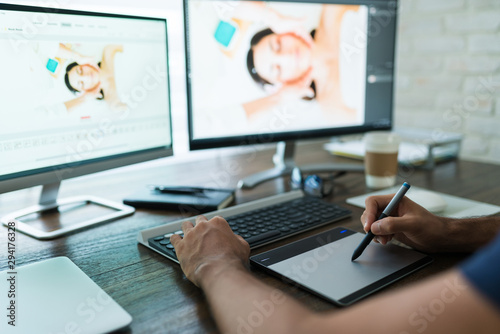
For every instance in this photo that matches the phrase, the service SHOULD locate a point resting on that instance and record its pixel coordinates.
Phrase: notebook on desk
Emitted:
(456, 207)
(209, 200)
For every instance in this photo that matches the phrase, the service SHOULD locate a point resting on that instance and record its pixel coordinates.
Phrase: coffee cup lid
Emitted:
(383, 141)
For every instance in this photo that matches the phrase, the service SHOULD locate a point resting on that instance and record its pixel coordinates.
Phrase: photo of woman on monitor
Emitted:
(275, 66)
(301, 68)
(94, 81)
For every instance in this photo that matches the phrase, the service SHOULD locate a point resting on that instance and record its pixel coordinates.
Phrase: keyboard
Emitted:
(260, 222)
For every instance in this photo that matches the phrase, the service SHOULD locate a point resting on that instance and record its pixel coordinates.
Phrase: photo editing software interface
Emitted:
(80, 87)
(288, 68)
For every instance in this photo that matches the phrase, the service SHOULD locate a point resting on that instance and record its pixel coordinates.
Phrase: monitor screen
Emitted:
(80, 90)
(263, 71)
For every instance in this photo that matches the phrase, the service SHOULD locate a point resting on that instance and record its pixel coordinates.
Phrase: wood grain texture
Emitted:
(153, 289)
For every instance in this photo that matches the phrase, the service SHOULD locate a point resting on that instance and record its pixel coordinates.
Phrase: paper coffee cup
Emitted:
(381, 159)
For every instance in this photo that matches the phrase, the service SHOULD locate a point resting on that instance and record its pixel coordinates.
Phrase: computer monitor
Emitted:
(279, 71)
(80, 93)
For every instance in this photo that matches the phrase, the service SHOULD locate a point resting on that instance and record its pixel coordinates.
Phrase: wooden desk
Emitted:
(153, 289)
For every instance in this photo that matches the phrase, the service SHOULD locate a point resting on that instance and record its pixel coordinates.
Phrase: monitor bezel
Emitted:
(57, 173)
(267, 138)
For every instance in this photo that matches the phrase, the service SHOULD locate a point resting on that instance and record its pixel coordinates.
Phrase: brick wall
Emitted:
(448, 71)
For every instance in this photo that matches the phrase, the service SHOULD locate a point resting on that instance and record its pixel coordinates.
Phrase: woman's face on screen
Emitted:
(281, 58)
(84, 77)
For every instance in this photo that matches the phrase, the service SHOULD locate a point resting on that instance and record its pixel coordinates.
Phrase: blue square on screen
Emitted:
(52, 65)
(224, 33)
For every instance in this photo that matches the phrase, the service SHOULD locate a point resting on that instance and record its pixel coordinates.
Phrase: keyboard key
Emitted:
(295, 220)
(328, 216)
(263, 236)
(297, 215)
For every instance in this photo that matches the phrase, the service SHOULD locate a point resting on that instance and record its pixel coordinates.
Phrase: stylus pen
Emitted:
(387, 212)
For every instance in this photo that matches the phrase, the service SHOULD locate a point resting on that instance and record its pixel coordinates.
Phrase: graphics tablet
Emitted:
(322, 265)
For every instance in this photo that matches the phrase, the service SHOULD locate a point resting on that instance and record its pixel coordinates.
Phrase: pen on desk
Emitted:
(184, 190)
(393, 203)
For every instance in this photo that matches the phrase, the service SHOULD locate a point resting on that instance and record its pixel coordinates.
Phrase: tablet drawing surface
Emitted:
(322, 264)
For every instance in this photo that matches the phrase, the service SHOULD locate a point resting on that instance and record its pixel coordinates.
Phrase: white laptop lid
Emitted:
(55, 296)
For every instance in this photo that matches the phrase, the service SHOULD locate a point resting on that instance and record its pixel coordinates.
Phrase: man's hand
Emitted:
(208, 249)
(93, 93)
(297, 89)
(410, 224)
(283, 24)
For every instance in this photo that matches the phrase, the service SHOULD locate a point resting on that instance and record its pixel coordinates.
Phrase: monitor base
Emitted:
(283, 159)
(252, 181)
(47, 206)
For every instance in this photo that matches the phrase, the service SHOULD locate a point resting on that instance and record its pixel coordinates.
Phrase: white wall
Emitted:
(448, 73)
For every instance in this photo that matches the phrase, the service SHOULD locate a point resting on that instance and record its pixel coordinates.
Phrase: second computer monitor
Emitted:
(80, 92)
(283, 70)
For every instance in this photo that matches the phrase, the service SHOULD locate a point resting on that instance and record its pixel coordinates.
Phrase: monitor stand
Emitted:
(49, 203)
(284, 163)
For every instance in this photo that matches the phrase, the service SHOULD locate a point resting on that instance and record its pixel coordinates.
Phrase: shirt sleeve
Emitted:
(483, 271)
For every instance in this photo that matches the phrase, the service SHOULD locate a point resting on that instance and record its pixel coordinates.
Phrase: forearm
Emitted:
(70, 105)
(253, 108)
(331, 17)
(108, 57)
(250, 11)
(66, 52)
(243, 304)
(446, 303)
(469, 234)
